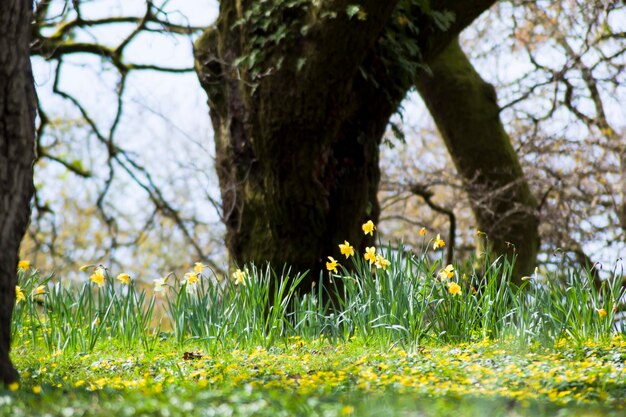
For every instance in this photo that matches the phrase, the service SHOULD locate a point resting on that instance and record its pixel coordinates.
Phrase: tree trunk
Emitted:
(17, 144)
(466, 112)
(299, 102)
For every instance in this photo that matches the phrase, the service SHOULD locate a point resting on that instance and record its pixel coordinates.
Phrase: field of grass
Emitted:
(411, 337)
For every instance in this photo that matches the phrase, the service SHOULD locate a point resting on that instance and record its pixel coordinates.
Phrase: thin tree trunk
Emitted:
(297, 137)
(466, 112)
(17, 144)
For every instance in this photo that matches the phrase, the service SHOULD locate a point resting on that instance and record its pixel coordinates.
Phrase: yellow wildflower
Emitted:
(23, 265)
(423, 231)
(159, 283)
(601, 312)
(381, 262)
(37, 389)
(370, 254)
(41, 289)
(98, 277)
(124, 278)
(438, 242)
(332, 264)
(346, 249)
(13, 386)
(239, 277)
(368, 228)
(19, 294)
(446, 273)
(454, 288)
(199, 267)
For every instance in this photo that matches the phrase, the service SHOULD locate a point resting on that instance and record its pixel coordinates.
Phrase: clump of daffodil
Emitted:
(382, 262)
(446, 273)
(239, 277)
(368, 228)
(23, 265)
(98, 277)
(124, 278)
(439, 243)
(454, 288)
(332, 264)
(346, 249)
(159, 283)
(19, 294)
(370, 254)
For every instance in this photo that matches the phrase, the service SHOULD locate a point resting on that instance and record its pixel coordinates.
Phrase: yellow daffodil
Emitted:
(454, 288)
(346, 249)
(382, 262)
(85, 267)
(422, 231)
(438, 242)
(199, 267)
(23, 265)
(601, 312)
(239, 277)
(332, 264)
(370, 254)
(368, 228)
(39, 290)
(446, 273)
(98, 277)
(124, 278)
(19, 294)
(159, 283)
(191, 278)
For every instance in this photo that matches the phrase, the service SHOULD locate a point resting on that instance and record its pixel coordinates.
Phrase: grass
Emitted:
(414, 338)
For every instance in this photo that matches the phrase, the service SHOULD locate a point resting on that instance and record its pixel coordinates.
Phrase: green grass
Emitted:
(403, 341)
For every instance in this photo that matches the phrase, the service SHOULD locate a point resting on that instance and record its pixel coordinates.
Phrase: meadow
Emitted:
(408, 336)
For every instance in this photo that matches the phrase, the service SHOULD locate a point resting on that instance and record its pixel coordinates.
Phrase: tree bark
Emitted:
(297, 136)
(466, 112)
(17, 144)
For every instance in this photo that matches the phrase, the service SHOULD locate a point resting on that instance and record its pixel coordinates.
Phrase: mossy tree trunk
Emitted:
(466, 112)
(300, 96)
(17, 144)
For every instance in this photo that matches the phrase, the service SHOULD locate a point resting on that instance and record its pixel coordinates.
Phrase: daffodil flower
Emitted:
(346, 249)
(454, 288)
(239, 277)
(23, 265)
(124, 278)
(601, 312)
(438, 242)
(98, 277)
(19, 294)
(370, 254)
(332, 264)
(382, 262)
(39, 290)
(446, 273)
(199, 267)
(159, 283)
(368, 228)
(422, 231)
